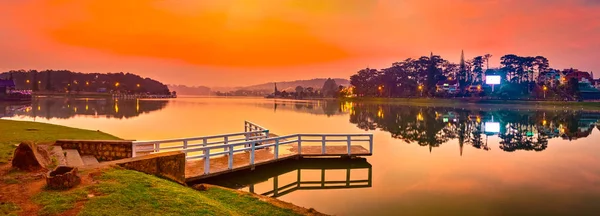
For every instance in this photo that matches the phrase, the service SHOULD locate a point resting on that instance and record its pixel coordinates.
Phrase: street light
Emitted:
(138, 85)
(117, 84)
(27, 81)
(545, 89)
(421, 89)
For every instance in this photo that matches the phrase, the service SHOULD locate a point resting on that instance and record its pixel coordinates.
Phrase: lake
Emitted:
(427, 160)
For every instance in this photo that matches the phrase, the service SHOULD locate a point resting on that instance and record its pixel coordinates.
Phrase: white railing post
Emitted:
(185, 144)
(371, 143)
(206, 161)
(230, 157)
(157, 149)
(300, 145)
(276, 149)
(349, 146)
(323, 145)
(133, 150)
(204, 141)
(252, 153)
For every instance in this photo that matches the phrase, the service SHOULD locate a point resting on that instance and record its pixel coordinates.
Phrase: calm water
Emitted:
(427, 161)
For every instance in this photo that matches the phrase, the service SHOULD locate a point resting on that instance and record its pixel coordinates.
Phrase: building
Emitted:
(448, 86)
(581, 76)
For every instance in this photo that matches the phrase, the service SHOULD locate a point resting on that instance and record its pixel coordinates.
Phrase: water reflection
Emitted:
(517, 129)
(65, 108)
(323, 107)
(279, 179)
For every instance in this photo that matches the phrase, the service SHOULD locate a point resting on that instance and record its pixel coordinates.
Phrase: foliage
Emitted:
(64, 80)
(419, 77)
(573, 87)
(330, 88)
(9, 208)
(14, 132)
(126, 192)
(56, 202)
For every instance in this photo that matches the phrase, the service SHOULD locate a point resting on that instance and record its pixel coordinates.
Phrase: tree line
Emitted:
(418, 77)
(68, 81)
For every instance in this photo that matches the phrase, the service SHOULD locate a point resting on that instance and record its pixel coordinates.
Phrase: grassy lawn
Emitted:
(13, 132)
(111, 191)
(126, 192)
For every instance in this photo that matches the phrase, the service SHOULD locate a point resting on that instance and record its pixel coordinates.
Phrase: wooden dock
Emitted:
(210, 156)
(194, 169)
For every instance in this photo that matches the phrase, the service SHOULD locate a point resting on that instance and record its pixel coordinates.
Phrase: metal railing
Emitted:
(255, 138)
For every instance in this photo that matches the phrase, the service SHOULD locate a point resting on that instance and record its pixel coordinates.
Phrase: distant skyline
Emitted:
(244, 42)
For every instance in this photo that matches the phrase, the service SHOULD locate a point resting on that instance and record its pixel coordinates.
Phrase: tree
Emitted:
(462, 71)
(573, 87)
(487, 57)
(433, 74)
(49, 80)
(365, 82)
(34, 81)
(330, 88)
(299, 91)
(478, 69)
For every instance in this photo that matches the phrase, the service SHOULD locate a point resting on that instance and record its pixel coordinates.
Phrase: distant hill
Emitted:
(314, 83)
(190, 90)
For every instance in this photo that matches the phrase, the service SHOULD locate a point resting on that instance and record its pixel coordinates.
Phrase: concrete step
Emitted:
(89, 160)
(59, 154)
(73, 158)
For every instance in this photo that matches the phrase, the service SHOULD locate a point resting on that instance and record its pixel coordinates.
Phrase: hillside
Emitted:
(190, 90)
(314, 83)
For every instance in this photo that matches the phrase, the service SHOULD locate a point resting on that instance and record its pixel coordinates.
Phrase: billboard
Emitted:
(492, 127)
(492, 79)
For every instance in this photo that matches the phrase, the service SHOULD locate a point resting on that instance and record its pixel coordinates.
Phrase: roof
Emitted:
(7, 83)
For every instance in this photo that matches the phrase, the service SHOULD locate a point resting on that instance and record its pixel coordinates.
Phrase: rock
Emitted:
(27, 157)
(200, 187)
(63, 177)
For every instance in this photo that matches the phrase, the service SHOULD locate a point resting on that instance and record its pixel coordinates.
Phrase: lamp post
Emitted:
(545, 89)
(421, 90)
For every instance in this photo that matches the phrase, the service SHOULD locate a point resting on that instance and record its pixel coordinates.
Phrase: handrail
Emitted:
(195, 138)
(255, 138)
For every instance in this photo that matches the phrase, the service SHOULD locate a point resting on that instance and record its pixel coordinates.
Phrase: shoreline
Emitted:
(479, 103)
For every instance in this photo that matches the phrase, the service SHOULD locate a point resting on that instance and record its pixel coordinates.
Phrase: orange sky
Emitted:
(240, 42)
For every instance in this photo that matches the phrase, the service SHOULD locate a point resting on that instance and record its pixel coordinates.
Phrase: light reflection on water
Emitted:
(427, 161)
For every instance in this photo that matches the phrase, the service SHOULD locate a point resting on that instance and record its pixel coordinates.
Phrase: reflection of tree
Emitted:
(325, 107)
(432, 127)
(65, 108)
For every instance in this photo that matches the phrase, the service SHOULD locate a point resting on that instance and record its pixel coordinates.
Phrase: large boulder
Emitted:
(29, 157)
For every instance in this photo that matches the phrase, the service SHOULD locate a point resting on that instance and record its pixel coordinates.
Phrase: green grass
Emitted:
(9, 208)
(14, 132)
(126, 192)
(56, 202)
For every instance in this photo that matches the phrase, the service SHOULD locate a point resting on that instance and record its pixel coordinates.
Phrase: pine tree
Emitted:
(462, 72)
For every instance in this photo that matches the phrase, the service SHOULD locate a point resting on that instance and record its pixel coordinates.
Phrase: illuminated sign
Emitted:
(492, 127)
(492, 79)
